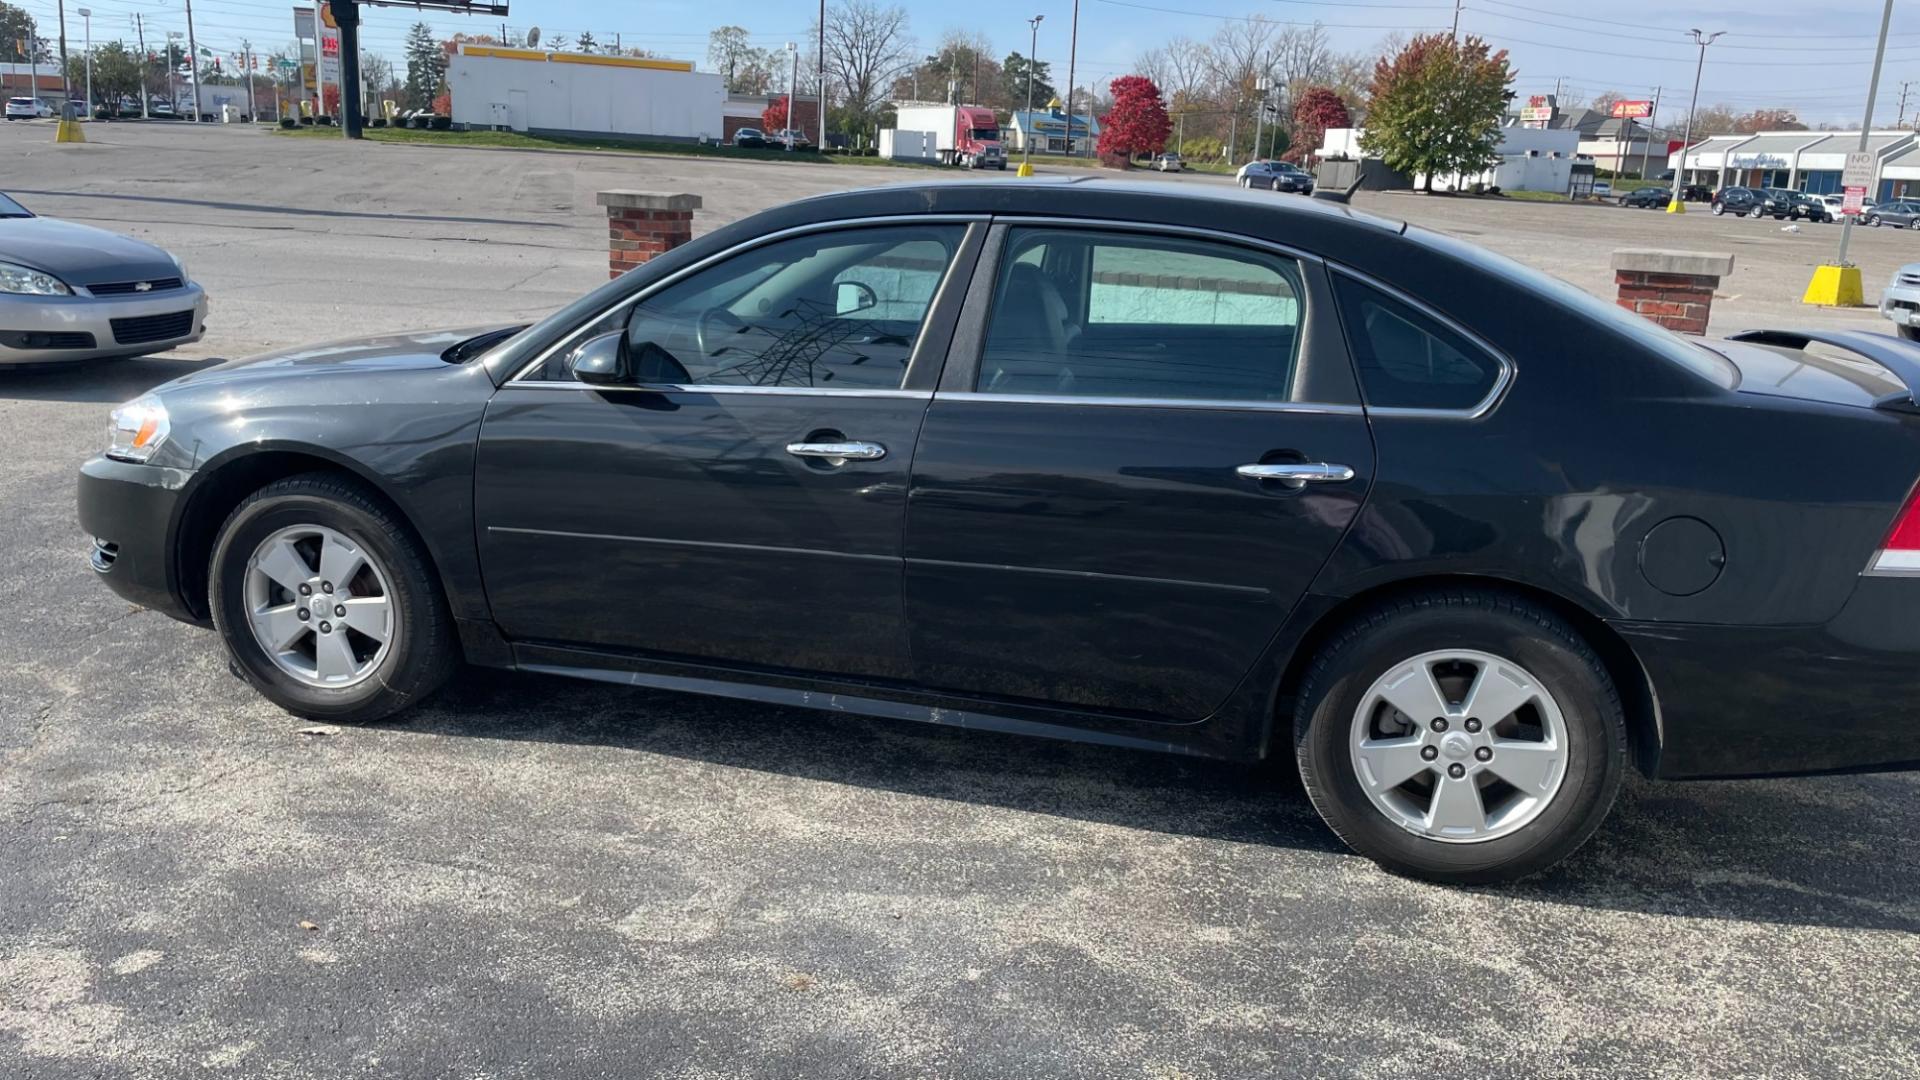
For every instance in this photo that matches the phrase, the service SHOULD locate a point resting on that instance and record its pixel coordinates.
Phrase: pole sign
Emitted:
(303, 24)
(1631, 110)
(330, 56)
(1850, 203)
(1854, 180)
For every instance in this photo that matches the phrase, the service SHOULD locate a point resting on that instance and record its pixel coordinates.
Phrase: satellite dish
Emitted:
(533, 36)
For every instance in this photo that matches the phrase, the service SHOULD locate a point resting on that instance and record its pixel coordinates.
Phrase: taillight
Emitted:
(1900, 552)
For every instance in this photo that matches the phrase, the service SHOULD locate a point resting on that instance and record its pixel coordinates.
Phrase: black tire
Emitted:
(1505, 626)
(424, 651)
(1719, 209)
(1872, 220)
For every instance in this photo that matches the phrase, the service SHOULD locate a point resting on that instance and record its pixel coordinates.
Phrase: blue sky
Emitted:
(1811, 58)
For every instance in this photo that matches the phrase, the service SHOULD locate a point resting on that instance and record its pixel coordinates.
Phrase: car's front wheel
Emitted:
(1461, 737)
(327, 603)
(1719, 209)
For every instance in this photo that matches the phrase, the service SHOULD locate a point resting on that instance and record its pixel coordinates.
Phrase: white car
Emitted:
(1602, 188)
(26, 108)
(1901, 301)
(1836, 201)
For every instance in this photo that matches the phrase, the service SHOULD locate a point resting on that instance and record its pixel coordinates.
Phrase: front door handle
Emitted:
(1298, 473)
(838, 453)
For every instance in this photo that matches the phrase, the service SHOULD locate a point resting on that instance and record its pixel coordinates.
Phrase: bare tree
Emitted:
(868, 46)
(1188, 62)
(1301, 57)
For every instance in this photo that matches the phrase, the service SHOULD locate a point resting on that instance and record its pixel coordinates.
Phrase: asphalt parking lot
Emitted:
(536, 878)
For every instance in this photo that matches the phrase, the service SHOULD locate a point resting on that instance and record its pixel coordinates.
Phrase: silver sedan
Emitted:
(73, 292)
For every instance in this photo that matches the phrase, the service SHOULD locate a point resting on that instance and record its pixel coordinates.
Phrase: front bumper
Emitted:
(132, 515)
(58, 329)
(1764, 701)
(1901, 303)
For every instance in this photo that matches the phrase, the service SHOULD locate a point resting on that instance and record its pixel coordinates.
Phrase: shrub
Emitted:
(287, 123)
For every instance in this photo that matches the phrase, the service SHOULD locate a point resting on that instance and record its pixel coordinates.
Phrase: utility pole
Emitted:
(1260, 112)
(1456, 20)
(66, 83)
(1902, 121)
(820, 79)
(140, 29)
(193, 62)
(793, 80)
(1653, 118)
(86, 20)
(1073, 50)
(1866, 123)
(346, 15)
(1702, 39)
(246, 71)
(1026, 136)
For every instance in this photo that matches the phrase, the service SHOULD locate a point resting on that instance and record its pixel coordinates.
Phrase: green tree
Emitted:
(585, 43)
(19, 42)
(1014, 71)
(1436, 106)
(426, 66)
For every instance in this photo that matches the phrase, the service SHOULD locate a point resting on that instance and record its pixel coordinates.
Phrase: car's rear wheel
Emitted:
(1461, 737)
(327, 603)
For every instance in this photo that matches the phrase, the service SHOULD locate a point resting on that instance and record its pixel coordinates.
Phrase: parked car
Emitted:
(1810, 207)
(28, 108)
(1374, 510)
(1602, 189)
(749, 138)
(1752, 202)
(1900, 214)
(73, 292)
(1647, 196)
(1694, 192)
(1836, 203)
(1275, 176)
(1168, 162)
(792, 139)
(1900, 301)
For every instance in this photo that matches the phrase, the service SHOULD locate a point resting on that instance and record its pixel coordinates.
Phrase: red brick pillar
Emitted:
(643, 224)
(1673, 288)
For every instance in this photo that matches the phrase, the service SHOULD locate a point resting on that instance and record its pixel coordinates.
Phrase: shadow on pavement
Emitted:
(109, 381)
(1799, 852)
(294, 211)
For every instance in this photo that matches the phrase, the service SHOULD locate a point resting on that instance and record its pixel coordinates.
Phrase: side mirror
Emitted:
(602, 361)
(850, 297)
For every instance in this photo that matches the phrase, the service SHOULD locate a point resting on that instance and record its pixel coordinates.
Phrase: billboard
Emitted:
(1631, 110)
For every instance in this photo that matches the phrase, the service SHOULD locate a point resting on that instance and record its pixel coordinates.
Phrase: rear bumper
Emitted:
(56, 329)
(131, 515)
(1766, 701)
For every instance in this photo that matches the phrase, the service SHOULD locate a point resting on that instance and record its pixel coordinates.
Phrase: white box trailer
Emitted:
(585, 94)
(963, 134)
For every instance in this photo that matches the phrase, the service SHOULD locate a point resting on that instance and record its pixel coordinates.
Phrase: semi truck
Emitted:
(963, 134)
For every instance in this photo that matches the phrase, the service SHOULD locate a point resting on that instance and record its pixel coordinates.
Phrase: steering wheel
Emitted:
(714, 324)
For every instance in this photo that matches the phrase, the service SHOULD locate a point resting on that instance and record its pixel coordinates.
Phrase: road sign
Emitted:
(1859, 170)
(1850, 203)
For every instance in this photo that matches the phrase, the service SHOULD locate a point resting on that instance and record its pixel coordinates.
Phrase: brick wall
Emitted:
(1680, 302)
(644, 224)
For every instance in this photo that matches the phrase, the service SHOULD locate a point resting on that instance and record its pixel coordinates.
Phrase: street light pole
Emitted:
(1026, 135)
(1073, 52)
(86, 21)
(1702, 39)
(193, 62)
(1866, 123)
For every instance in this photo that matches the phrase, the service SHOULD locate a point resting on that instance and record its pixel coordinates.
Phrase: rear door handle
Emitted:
(1298, 473)
(836, 453)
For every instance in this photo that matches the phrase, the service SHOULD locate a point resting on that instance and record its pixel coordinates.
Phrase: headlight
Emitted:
(137, 429)
(21, 279)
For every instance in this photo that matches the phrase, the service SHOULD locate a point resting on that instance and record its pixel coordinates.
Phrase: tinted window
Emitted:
(839, 310)
(1091, 314)
(1408, 360)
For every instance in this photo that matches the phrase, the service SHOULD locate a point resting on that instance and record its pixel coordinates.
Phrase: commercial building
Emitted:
(33, 80)
(1617, 144)
(550, 93)
(1800, 160)
(1051, 133)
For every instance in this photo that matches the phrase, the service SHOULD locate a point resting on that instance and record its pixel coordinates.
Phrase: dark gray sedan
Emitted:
(73, 292)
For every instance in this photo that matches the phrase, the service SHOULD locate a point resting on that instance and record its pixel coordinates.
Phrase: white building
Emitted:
(1530, 159)
(1800, 160)
(584, 94)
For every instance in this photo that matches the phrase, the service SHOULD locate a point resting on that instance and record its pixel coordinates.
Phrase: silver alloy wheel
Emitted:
(319, 606)
(1459, 746)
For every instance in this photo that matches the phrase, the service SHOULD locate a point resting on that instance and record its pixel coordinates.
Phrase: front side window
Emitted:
(1096, 314)
(1407, 359)
(832, 310)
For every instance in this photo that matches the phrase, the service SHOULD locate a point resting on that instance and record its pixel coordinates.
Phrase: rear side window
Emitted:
(1124, 315)
(1407, 359)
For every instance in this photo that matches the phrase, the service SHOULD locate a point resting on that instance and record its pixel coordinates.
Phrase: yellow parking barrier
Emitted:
(69, 131)
(1835, 286)
(1024, 170)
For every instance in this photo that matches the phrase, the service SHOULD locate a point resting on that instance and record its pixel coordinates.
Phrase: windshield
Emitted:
(11, 209)
(991, 134)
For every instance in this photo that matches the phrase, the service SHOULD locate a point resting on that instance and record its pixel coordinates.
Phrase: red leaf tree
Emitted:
(1137, 123)
(1317, 109)
(774, 118)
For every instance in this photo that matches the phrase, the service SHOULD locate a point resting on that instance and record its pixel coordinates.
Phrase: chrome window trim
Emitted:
(723, 388)
(573, 337)
(1214, 404)
(1157, 229)
(1486, 404)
